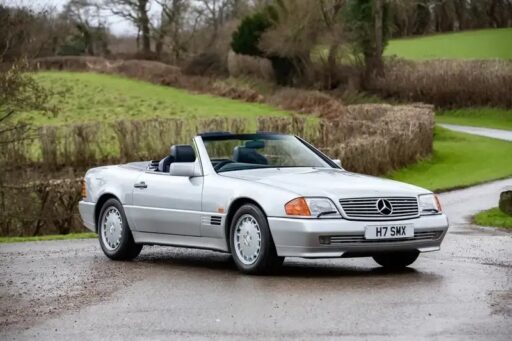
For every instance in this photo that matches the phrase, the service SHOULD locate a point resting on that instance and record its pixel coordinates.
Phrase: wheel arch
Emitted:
(99, 205)
(233, 207)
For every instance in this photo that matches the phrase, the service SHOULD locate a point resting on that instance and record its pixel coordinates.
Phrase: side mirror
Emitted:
(189, 169)
(337, 162)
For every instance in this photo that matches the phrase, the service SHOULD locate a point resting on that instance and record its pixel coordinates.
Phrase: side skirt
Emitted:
(181, 241)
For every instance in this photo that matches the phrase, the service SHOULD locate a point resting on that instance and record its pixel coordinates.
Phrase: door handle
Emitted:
(141, 184)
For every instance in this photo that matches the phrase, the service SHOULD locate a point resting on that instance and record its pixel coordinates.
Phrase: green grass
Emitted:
(48, 237)
(477, 117)
(459, 160)
(90, 97)
(481, 44)
(493, 217)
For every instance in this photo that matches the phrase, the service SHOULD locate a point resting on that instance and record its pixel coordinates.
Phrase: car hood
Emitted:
(334, 183)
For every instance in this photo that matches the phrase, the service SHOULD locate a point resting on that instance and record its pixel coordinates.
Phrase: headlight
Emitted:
(429, 204)
(312, 207)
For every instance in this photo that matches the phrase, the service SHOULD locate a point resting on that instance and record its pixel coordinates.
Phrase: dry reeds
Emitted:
(244, 65)
(408, 130)
(448, 83)
(371, 139)
(309, 102)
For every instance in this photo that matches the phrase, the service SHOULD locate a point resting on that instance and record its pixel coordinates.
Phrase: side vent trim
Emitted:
(215, 220)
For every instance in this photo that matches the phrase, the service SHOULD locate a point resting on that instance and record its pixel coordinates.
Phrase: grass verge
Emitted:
(459, 160)
(90, 97)
(479, 44)
(84, 235)
(477, 117)
(493, 217)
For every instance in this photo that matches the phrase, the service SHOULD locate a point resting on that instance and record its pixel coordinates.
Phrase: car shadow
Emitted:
(197, 260)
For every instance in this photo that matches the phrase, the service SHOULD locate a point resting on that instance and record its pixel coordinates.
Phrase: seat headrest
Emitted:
(183, 153)
(248, 155)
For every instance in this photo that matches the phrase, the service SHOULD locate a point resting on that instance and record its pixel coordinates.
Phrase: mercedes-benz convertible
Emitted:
(261, 197)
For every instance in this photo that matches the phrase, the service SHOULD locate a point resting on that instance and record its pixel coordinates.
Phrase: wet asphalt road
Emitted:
(69, 290)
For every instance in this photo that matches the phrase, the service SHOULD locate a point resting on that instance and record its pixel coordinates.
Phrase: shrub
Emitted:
(448, 83)
(244, 65)
(247, 36)
(310, 102)
(206, 64)
(51, 208)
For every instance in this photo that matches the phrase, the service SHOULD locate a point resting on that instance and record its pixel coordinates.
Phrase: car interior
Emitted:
(242, 157)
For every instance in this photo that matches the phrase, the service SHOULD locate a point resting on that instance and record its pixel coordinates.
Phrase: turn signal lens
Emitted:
(84, 189)
(438, 202)
(429, 204)
(297, 207)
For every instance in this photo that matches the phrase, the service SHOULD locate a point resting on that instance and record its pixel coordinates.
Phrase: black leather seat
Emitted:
(183, 153)
(179, 153)
(165, 164)
(248, 155)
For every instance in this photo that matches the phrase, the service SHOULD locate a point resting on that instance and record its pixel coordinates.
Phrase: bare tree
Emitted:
(331, 11)
(215, 13)
(294, 34)
(86, 16)
(172, 25)
(136, 11)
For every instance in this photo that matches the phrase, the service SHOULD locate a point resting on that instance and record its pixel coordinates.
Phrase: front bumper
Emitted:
(302, 237)
(86, 210)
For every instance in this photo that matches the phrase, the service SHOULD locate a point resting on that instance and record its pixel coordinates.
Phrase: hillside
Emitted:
(480, 44)
(90, 97)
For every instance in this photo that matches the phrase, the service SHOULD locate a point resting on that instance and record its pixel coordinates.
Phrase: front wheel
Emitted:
(251, 242)
(396, 260)
(115, 236)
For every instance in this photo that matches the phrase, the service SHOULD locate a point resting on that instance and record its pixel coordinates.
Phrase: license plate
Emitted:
(389, 231)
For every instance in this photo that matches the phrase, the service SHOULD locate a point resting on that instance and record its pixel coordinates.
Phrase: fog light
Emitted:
(325, 240)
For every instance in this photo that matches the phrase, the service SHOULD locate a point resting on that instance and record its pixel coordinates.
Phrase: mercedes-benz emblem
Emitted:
(384, 207)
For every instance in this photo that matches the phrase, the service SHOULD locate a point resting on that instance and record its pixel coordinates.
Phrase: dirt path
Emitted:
(488, 132)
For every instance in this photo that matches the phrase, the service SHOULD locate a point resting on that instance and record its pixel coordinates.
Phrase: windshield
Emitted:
(250, 151)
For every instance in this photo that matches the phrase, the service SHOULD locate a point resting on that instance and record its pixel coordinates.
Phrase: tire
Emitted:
(251, 243)
(117, 243)
(396, 260)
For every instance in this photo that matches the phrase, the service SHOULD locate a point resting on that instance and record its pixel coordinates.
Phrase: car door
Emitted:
(167, 204)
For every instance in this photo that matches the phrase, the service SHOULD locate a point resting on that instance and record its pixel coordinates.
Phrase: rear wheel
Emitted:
(115, 236)
(251, 242)
(396, 260)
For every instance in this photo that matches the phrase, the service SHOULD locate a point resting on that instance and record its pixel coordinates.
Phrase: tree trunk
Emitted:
(331, 66)
(159, 45)
(377, 65)
(144, 27)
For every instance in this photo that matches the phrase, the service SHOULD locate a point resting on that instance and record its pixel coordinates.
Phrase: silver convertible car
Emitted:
(261, 197)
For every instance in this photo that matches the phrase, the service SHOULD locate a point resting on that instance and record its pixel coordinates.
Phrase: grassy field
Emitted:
(477, 117)
(459, 160)
(493, 217)
(89, 97)
(48, 237)
(481, 44)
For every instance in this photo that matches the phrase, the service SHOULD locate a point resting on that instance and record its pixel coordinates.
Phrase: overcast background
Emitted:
(117, 25)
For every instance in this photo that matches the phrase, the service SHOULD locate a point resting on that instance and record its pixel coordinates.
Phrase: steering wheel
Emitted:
(222, 164)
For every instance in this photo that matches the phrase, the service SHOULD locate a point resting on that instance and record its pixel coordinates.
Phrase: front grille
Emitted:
(359, 238)
(366, 208)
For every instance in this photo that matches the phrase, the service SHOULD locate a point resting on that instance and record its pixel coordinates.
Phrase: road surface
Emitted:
(488, 132)
(67, 290)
